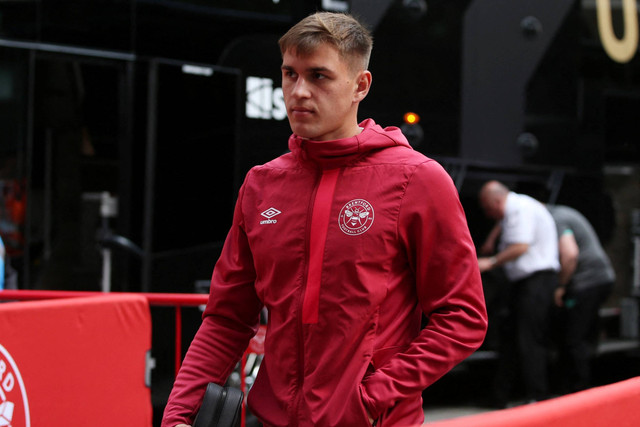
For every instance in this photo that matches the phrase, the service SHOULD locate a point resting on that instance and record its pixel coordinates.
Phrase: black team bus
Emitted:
(128, 125)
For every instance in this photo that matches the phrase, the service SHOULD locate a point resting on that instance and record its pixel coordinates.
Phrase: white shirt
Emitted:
(528, 221)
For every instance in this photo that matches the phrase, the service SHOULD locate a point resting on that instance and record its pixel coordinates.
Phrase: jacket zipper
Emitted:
(320, 211)
(318, 237)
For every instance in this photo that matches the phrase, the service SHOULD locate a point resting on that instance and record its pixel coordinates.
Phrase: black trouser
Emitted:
(525, 336)
(578, 333)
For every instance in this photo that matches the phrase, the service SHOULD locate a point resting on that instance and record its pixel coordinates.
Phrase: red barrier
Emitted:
(156, 299)
(610, 405)
(256, 345)
(75, 362)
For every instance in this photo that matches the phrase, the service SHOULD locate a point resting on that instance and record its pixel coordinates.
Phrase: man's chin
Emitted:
(303, 132)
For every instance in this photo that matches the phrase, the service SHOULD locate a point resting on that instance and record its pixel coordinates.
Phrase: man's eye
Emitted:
(319, 76)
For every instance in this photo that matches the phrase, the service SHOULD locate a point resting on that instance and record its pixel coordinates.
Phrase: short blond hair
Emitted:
(351, 38)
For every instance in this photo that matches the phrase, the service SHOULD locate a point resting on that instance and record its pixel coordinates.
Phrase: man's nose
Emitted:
(301, 88)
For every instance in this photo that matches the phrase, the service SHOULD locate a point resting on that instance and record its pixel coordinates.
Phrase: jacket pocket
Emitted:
(363, 410)
(382, 355)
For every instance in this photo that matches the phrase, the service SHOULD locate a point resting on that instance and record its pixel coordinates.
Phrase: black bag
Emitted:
(220, 407)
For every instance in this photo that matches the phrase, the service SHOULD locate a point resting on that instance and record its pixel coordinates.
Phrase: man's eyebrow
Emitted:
(320, 70)
(310, 70)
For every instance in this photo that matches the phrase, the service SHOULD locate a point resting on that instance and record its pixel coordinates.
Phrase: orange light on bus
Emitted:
(411, 118)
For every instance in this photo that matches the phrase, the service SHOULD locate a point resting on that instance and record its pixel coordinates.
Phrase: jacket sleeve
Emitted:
(230, 320)
(434, 232)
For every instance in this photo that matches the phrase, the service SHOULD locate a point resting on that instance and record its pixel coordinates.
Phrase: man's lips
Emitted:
(301, 111)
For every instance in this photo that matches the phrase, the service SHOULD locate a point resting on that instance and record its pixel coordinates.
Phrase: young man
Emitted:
(364, 236)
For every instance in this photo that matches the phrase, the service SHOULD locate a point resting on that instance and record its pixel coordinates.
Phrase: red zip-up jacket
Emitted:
(347, 243)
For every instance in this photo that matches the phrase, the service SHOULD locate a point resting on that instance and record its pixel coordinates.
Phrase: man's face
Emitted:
(492, 207)
(321, 94)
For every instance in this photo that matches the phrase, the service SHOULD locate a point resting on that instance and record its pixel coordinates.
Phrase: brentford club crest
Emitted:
(14, 407)
(356, 217)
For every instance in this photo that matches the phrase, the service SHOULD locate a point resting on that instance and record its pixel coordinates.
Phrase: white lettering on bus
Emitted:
(263, 101)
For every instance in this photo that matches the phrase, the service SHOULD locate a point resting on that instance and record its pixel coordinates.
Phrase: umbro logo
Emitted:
(269, 214)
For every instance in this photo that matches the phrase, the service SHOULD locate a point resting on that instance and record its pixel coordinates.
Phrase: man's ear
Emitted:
(363, 84)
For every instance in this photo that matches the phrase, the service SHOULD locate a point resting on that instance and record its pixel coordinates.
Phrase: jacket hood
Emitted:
(339, 152)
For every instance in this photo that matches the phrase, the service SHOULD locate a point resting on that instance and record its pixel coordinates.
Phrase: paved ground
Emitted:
(449, 412)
